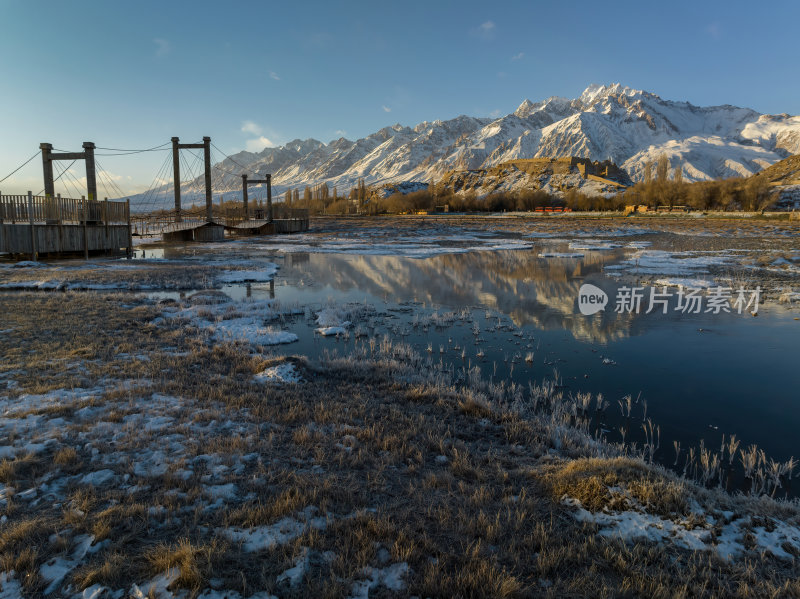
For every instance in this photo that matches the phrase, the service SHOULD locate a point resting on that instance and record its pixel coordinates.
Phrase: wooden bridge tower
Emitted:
(87, 155)
(268, 182)
(176, 171)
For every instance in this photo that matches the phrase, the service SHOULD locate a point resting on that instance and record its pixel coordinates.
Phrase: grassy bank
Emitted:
(148, 455)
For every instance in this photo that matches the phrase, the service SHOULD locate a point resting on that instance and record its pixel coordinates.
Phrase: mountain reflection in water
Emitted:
(541, 292)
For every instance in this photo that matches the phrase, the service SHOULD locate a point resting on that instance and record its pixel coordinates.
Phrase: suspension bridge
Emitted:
(46, 222)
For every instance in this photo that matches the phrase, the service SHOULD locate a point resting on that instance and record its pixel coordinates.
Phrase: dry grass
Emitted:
(194, 563)
(590, 480)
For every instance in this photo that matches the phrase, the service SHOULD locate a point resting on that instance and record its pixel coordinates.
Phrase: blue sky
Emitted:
(132, 74)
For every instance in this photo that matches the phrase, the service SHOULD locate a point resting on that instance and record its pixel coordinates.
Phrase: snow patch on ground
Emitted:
(685, 282)
(281, 532)
(390, 577)
(229, 320)
(282, 373)
(638, 525)
(156, 587)
(10, 588)
(57, 568)
(295, 574)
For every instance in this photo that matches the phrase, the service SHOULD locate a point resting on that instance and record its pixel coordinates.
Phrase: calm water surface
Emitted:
(701, 375)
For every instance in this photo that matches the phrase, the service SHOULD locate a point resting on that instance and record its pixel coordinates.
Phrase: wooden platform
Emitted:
(265, 227)
(32, 225)
(215, 231)
(56, 239)
(291, 225)
(203, 232)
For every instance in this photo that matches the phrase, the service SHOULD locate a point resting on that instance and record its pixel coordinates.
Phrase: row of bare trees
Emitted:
(662, 186)
(750, 194)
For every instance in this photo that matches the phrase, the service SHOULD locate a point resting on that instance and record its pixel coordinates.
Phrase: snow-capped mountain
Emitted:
(607, 122)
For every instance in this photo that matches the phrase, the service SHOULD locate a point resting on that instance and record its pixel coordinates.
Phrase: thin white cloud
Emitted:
(251, 127)
(386, 108)
(496, 113)
(519, 56)
(163, 47)
(258, 144)
(486, 30)
(274, 76)
(341, 132)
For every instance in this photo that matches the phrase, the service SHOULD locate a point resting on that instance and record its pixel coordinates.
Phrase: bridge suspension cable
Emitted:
(234, 161)
(104, 174)
(123, 152)
(19, 167)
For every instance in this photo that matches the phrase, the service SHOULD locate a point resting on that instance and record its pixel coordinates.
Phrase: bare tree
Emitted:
(662, 168)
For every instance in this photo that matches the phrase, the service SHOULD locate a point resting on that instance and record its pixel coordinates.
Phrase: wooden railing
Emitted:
(156, 225)
(26, 209)
(164, 222)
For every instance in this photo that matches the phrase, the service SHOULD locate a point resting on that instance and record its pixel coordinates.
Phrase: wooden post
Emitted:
(176, 178)
(33, 230)
(47, 167)
(244, 195)
(91, 177)
(130, 235)
(269, 198)
(207, 160)
(60, 217)
(85, 230)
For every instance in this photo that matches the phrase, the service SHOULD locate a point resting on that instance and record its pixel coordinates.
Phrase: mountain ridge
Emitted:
(613, 122)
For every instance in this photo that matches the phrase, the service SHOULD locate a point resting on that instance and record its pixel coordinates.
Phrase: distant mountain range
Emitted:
(607, 122)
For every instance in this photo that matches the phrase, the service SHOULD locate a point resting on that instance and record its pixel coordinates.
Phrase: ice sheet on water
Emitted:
(658, 262)
(266, 273)
(594, 245)
(331, 331)
(380, 244)
(561, 255)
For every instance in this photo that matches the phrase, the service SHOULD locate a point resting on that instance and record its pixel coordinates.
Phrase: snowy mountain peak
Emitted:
(302, 146)
(525, 109)
(595, 92)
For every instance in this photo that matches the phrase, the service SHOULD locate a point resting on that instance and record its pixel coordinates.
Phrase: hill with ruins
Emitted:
(553, 175)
